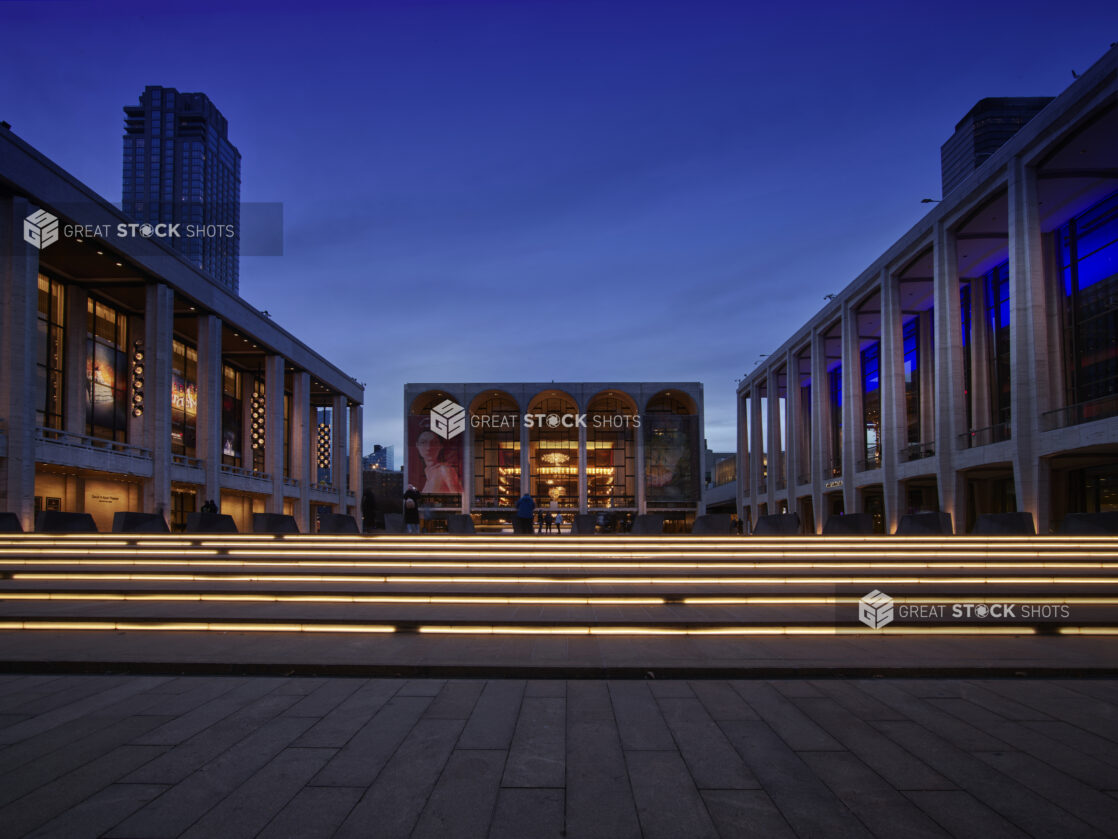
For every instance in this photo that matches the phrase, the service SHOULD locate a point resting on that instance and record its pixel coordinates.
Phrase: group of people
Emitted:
(545, 520)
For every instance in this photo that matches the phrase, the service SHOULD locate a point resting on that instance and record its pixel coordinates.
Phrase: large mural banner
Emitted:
(434, 463)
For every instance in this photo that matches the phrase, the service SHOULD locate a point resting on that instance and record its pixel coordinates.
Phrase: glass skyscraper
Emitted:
(179, 167)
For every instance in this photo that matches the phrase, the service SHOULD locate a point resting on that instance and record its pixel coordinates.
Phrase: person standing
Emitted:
(548, 520)
(558, 522)
(524, 509)
(411, 509)
(368, 511)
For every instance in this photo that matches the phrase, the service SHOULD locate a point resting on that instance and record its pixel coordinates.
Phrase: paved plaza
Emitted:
(203, 756)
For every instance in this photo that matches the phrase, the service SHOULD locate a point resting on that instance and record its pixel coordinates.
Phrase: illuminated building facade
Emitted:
(973, 367)
(612, 449)
(132, 381)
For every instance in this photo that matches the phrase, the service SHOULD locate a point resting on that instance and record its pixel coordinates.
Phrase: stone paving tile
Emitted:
(393, 803)
(520, 813)
(537, 754)
(187, 757)
(53, 799)
(362, 758)
(324, 698)
(599, 795)
(66, 713)
(493, 720)
(903, 770)
(961, 814)
(639, 720)
(745, 814)
(1001, 793)
(254, 804)
(99, 812)
(711, 759)
(336, 728)
(456, 700)
(461, 805)
(241, 756)
(872, 798)
(668, 804)
(784, 717)
(314, 813)
(182, 805)
(721, 701)
(33, 774)
(808, 805)
(1078, 798)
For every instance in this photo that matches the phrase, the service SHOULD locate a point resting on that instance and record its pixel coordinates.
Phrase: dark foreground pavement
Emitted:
(230, 756)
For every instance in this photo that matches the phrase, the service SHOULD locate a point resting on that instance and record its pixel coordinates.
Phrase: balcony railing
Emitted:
(872, 460)
(803, 479)
(985, 436)
(834, 468)
(781, 484)
(290, 482)
(322, 486)
(185, 460)
(762, 487)
(917, 451)
(1095, 409)
(81, 441)
(245, 473)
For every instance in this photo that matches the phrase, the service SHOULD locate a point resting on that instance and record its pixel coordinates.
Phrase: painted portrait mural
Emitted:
(434, 464)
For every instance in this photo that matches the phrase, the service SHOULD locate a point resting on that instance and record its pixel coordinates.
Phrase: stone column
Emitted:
(467, 465)
(820, 426)
(926, 355)
(741, 455)
(772, 436)
(1030, 391)
(950, 411)
(642, 500)
(894, 424)
(338, 463)
(853, 424)
(273, 428)
(302, 446)
(75, 381)
(979, 340)
(583, 501)
(19, 291)
(756, 447)
(525, 459)
(355, 448)
(209, 403)
(159, 318)
(792, 428)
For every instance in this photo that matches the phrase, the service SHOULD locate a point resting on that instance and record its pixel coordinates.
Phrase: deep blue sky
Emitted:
(521, 191)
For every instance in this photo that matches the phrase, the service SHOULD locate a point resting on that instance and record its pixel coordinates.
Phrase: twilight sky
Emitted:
(569, 190)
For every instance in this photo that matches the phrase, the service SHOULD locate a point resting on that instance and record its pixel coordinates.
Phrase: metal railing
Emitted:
(917, 451)
(985, 436)
(241, 472)
(834, 468)
(321, 486)
(872, 460)
(1094, 409)
(82, 441)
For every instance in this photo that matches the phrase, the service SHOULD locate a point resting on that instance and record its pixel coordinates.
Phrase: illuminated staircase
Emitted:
(565, 585)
